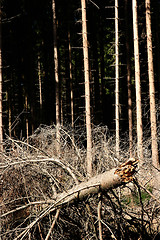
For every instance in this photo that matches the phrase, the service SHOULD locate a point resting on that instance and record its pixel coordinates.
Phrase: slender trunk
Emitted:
(155, 160)
(96, 87)
(129, 80)
(1, 124)
(9, 113)
(137, 82)
(26, 109)
(102, 74)
(10, 118)
(87, 89)
(56, 76)
(117, 79)
(71, 80)
(40, 87)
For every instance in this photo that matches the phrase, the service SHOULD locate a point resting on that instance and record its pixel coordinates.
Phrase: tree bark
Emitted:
(102, 182)
(127, 35)
(137, 82)
(117, 78)
(155, 160)
(71, 79)
(40, 87)
(87, 89)
(56, 76)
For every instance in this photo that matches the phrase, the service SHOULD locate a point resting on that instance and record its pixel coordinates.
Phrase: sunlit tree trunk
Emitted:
(87, 89)
(137, 82)
(155, 160)
(56, 76)
(117, 79)
(129, 80)
(1, 124)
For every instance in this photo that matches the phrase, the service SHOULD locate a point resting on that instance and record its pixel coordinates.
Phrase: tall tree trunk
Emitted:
(101, 43)
(71, 79)
(27, 123)
(137, 82)
(117, 78)
(155, 160)
(40, 86)
(127, 36)
(56, 76)
(87, 89)
(96, 87)
(9, 118)
(1, 124)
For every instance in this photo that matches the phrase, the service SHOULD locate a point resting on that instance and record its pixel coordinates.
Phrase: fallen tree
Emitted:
(100, 183)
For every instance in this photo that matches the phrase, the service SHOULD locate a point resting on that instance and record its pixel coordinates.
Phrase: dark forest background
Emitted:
(27, 42)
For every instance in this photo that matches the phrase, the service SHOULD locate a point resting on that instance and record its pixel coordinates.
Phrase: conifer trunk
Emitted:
(137, 82)
(71, 79)
(56, 76)
(129, 80)
(117, 79)
(151, 87)
(87, 89)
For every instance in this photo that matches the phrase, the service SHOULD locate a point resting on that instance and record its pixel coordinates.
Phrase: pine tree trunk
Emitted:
(117, 78)
(87, 89)
(127, 36)
(40, 87)
(1, 124)
(71, 79)
(9, 118)
(137, 82)
(56, 76)
(155, 160)
(151, 87)
(27, 123)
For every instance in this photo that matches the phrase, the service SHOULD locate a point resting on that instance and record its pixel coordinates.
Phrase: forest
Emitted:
(80, 119)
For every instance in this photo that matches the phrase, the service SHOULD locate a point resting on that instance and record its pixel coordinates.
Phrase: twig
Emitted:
(53, 223)
(149, 193)
(40, 232)
(99, 219)
(26, 206)
(112, 236)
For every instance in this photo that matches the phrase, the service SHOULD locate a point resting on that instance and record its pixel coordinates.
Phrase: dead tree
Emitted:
(101, 183)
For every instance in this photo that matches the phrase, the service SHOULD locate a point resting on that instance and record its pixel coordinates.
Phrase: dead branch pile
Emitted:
(33, 176)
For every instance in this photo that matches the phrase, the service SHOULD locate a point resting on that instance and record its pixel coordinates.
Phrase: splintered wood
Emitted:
(127, 169)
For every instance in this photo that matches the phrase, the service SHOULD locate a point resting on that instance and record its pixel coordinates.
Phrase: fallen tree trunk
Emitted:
(102, 182)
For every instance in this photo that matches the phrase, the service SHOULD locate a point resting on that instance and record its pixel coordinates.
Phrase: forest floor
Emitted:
(33, 174)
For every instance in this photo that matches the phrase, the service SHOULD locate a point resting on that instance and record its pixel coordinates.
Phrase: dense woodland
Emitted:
(28, 62)
(49, 141)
